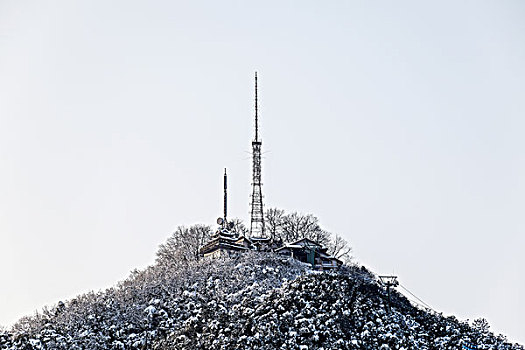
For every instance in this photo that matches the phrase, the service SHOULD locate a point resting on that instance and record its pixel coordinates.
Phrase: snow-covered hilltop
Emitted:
(256, 301)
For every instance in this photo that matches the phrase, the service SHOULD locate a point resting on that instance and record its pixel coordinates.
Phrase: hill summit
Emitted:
(254, 301)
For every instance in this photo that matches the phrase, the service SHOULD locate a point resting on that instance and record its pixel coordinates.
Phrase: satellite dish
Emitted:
(231, 225)
(220, 221)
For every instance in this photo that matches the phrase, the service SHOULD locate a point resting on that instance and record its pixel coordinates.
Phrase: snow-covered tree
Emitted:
(340, 248)
(273, 220)
(294, 226)
(183, 245)
(255, 301)
(239, 227)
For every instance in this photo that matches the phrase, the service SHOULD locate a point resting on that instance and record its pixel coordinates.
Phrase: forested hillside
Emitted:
(256, 301)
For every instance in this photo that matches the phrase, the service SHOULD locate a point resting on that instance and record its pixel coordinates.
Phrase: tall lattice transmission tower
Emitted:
(257, 215)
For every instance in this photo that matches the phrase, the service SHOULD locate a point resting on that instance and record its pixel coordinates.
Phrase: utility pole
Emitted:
(389, 281)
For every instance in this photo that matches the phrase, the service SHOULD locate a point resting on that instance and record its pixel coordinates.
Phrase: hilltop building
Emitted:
(311, 252)
(227, 243)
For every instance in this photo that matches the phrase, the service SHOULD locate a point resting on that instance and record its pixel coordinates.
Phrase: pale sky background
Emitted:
(400, 124)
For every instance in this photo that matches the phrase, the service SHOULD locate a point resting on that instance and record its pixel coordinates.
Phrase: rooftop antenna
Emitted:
(257, 214)
(225, 196)
(223, 222)
(256, 112)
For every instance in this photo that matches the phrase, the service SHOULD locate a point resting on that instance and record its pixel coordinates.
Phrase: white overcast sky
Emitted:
(400, 124)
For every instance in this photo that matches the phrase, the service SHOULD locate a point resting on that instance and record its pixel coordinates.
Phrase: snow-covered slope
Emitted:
(258, 301)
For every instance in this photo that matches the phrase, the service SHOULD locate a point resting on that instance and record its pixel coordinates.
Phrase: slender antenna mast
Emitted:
(256, 112)
(225, 196)
(257, 214)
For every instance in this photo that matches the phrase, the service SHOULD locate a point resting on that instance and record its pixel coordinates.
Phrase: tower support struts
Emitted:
(257, 210)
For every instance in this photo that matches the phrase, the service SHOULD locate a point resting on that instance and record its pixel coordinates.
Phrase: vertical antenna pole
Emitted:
(225, 195)
(256, 112)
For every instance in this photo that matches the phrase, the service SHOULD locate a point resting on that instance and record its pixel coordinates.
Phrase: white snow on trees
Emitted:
(256, 301)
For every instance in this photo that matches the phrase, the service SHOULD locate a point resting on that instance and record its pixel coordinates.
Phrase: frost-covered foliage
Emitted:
(339, 310)
(257, 301)
(287, 228)
(183, 245)
(151, 304)
(294, 226)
